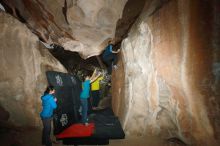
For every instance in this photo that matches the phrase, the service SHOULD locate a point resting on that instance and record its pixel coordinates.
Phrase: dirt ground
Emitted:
(32, 137)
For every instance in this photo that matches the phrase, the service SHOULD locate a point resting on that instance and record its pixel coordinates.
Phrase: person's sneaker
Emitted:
(94, 108)
(55, 142)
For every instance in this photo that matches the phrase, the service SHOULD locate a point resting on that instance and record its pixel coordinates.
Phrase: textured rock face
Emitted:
(83, 26)
(23, 62)
(171, 68)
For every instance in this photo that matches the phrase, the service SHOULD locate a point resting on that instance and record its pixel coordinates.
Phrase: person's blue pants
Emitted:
(84, 104)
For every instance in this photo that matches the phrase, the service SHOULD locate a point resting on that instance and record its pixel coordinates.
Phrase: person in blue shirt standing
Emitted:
(84, 95)
(49, 104)
(109, 57)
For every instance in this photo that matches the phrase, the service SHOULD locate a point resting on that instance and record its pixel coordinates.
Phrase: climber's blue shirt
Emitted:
(49, 105)
(85, 89)
(108, 51)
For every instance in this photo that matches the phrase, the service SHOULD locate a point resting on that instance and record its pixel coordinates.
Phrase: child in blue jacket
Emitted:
(49, 104)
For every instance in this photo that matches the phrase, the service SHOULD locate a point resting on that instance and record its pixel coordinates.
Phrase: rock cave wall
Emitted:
(170, 85)
(23, 62)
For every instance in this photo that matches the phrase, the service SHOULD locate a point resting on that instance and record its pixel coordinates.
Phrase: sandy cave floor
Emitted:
(32, 137)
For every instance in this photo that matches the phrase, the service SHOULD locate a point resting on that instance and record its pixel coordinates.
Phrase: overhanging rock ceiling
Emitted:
(82, 26)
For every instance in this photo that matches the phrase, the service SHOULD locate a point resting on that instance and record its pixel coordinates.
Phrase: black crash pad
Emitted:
(107, 125)
(68, 88)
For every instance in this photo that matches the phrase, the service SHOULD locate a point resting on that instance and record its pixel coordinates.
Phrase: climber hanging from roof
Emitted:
(109, 56)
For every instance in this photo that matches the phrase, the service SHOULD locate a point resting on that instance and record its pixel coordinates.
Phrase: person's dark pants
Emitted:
(95, 98)
(46, 131)
(84, 103)
(89, 106)
(109, 61)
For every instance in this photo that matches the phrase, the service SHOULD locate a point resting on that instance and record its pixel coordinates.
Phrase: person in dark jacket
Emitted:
(109, 57)
(49, 104)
